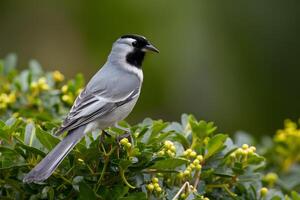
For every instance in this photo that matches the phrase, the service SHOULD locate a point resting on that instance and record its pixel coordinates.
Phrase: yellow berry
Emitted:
(124, 141)
(196, 161)
(156, 185)
(200, 158)
(128, 145)
(45, 86)
(198, 167)
(239, 151)
(150, 187)
(253, 148)
(245, 146)
(161, 153)
(264, 191)
(173, 148)
(192, 166)
(158, 189)
(180, 175)
(66, 98)
(187, 172)
(193, 154)
(232, 155)
(205, 198)
(183, 196)
(42, 81)
(189, 151)
(57, 76)
(155, 180)
(33, 85)
(64, 88)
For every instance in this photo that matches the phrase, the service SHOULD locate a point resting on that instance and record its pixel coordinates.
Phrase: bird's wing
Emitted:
(90, 106)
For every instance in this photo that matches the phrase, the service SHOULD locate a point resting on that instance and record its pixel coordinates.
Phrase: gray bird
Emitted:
(108, 98)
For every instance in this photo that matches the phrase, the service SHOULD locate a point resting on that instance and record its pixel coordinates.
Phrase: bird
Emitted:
(108, 98)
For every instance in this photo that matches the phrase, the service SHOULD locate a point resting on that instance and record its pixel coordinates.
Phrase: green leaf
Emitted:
(29, 136)
(85, 192)
(10, 63)
(4, 134)
(215, 144)
(169, 163)
(295, 195)
(156, 128)
(35, 68)
(48, 140)
(135, 196)
(9, 158)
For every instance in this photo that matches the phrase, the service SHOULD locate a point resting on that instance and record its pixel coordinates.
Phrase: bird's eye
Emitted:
(134, 43)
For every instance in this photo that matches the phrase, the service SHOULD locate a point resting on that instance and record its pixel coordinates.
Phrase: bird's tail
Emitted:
(47, 166)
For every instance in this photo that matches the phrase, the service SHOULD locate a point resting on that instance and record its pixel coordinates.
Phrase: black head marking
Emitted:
(140, 41)
(137, 56)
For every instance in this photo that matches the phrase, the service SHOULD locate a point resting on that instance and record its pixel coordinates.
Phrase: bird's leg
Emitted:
(116, 125)
(102, 136)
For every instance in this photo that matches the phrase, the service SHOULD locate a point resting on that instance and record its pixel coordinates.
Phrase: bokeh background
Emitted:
(233, 62)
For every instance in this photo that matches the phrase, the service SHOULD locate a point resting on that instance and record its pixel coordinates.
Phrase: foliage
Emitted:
(189, 159)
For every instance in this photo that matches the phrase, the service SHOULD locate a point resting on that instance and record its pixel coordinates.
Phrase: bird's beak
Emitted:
(150, 47)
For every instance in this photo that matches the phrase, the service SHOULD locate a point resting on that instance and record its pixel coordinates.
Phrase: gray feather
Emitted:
(47, 166)
(101, 96)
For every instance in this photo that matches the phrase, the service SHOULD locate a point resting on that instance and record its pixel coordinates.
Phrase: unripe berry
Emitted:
(150, 187)
(245, 146)
(198, 167)
(196, 161)
(185, 153)
(155, 180)
(189, 151)
(169, 152)
(183, 196)
(180, 175)
(124, 141)
(187, 172)
(253, 148)
(193, 154)
(161, 153)
(192, 166)
(239, 151)
(158, 189)
(264, 191)
(200, 158)
(156, 185)
(128, 145)
(173, 148)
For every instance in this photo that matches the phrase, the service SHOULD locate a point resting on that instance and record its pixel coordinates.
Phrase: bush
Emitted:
(189, 159)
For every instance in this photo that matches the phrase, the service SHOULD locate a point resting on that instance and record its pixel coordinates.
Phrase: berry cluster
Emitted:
(195, 165)
(242, 154)
(154, 186)
(168, 149)
(125, 143)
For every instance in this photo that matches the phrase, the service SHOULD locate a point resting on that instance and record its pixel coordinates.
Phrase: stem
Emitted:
(186, 184)
(225, 187)
(122, 173)
(106, 161)
(102, 174)
(197, 179)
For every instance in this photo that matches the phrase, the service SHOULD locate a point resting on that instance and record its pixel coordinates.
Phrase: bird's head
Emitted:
(131, 49)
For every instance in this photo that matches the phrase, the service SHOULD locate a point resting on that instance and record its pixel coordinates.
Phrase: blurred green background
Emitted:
(233, 62)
